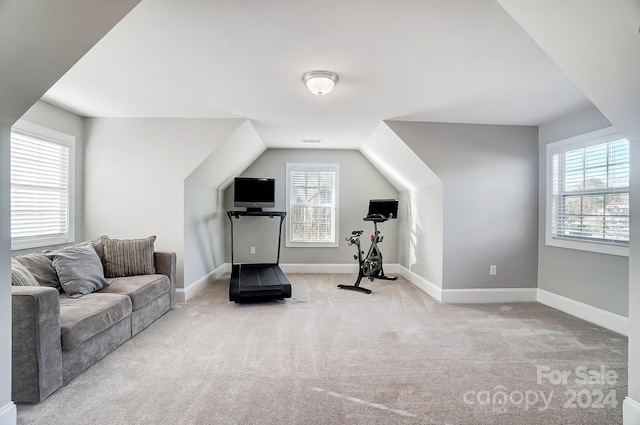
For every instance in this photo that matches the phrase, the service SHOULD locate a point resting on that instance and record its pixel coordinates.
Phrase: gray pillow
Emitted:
(97, 245)
(41, 268)
(79, 269)
(21, 276)
(128, 257)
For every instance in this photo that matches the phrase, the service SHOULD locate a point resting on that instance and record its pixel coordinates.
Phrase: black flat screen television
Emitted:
(254, 194)
(385, 207)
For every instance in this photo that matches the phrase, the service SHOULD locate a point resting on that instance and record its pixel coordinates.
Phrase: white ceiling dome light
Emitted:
(320, 82)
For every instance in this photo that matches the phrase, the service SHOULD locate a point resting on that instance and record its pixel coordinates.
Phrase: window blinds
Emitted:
(40, 186)
(590, 193)
(312, 206)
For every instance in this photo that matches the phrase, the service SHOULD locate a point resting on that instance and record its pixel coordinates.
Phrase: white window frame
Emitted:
(30, 130)
(604, 135)
(336, 196)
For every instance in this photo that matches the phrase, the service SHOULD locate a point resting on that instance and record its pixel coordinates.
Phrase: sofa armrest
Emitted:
(165, 263)
(35, 341)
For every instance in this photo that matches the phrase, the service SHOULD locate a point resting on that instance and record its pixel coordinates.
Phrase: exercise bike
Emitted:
(371, 265)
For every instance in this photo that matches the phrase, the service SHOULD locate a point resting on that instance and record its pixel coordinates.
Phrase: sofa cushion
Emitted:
(79, 270)
(41, 268)
(81, 318)
(21, 276)
(128, 257)
(141, 289)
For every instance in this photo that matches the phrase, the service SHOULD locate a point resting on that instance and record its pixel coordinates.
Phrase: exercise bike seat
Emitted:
(357, 232)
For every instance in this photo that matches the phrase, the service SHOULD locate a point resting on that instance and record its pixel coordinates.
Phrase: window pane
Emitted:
(573, 205)
(592, 227)
(593, 205)
(617, 204)
(574, 180)
(617, 228)
(595, 178)
(595, 156)
(619, 151)
(619, 175)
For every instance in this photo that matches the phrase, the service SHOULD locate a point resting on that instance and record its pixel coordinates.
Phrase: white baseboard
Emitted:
(389, 269)
(320, 268)
(472, 296)
(8, 414)
(586, 312)
(431, 289)
(185, 294)
(489, 295)
(630, 412)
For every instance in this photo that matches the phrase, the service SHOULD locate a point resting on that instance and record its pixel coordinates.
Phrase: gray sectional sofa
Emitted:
(59, 333)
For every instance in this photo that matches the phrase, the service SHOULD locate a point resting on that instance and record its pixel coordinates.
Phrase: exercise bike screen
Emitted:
(385, 207)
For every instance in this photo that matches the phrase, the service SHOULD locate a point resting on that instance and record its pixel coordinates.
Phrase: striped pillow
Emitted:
(128, 257)
(21, 276)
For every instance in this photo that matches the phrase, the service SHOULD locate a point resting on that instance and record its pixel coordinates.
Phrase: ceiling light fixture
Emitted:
(320, 82)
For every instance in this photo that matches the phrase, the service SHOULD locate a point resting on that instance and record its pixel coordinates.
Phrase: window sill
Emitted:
(42, 243)
(290, 244)
(602, 248)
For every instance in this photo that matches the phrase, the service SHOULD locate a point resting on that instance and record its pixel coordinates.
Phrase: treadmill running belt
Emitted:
(258, 281)
(257, 275)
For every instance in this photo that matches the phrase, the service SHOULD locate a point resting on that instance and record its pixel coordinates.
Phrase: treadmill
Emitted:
(258, 281)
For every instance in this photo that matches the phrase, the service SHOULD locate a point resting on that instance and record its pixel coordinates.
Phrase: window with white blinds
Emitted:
(41, 186)
(588, 199)
(312, 197)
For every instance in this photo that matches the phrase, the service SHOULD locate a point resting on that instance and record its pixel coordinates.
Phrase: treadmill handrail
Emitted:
(270, 214)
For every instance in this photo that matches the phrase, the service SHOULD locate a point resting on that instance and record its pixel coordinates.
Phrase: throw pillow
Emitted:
(21, 276)
(128, 257)
(41, 268)
(79, 270)
(97, 245)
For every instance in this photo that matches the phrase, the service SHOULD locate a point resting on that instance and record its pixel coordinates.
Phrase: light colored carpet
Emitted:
(330, 356)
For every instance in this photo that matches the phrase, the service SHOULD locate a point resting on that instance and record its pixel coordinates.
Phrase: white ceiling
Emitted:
(423, 60)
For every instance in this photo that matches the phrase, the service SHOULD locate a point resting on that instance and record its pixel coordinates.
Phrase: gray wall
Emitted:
(135, 174)
(599, 280)
(421, 230)
(5, 274)
(204, 215)
(359, 182)
(490, 183)
(634, 274)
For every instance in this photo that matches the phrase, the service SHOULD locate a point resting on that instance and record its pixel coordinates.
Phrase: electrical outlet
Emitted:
(253, 249)
(493, 270)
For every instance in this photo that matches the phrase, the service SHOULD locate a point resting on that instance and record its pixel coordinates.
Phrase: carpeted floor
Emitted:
(330, 356)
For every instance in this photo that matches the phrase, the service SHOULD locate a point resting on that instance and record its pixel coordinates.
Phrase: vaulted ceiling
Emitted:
(463, 61)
